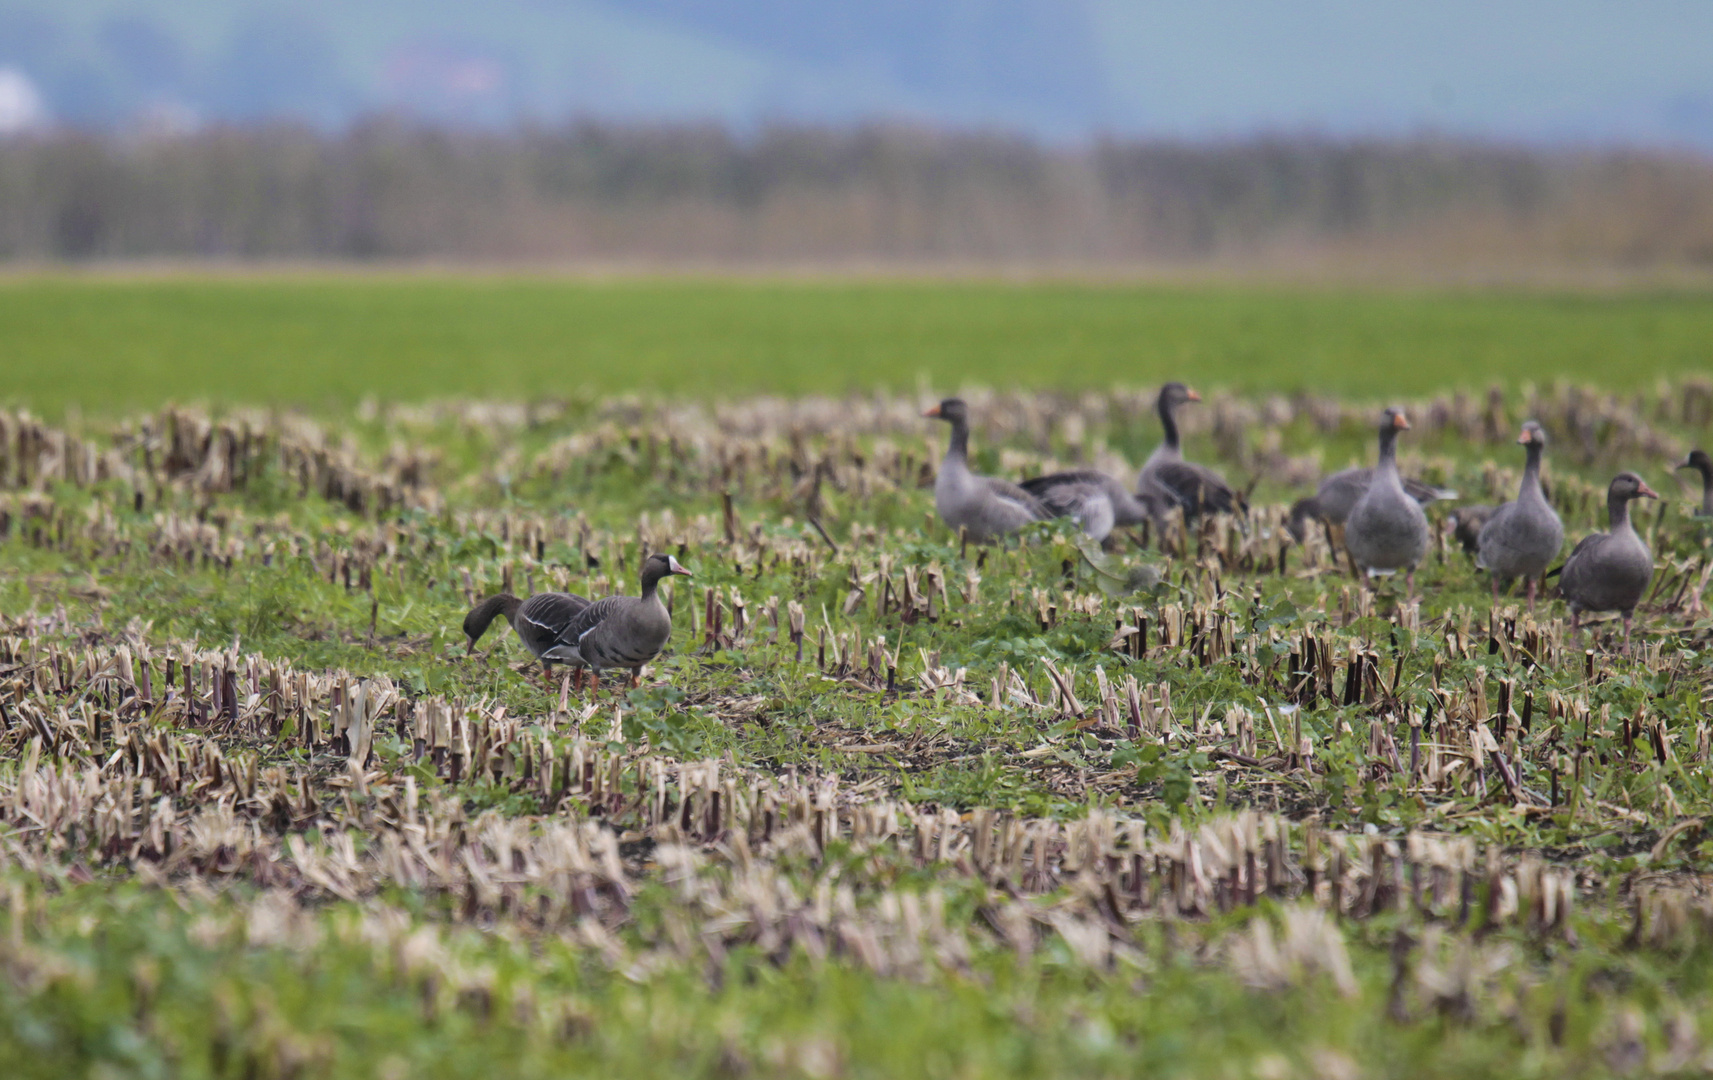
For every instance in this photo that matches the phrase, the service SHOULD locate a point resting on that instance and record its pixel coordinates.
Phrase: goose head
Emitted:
(1627, 485)
(1174, 394)
(952, 410)
(1697, 460)
(1533, 435)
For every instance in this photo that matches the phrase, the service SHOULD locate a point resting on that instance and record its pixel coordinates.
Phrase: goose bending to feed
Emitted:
(1701, 463)
(1096, 500)
(1523, 537)
(622, 631)
(541, 622)
(1467, 523)
(1387, 530)
(1167, 479)
(1337, 494)
(1610, 571)
(985, 507)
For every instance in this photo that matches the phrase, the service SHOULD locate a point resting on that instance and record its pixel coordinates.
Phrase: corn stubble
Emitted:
(1451, 837)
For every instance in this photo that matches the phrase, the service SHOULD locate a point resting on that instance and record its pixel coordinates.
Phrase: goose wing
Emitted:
(591, 616)
(1197, 488)
(543, 619)
(1011, 493)
(1063, 494)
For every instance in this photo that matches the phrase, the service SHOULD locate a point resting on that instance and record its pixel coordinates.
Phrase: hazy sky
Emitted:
(1636, 71)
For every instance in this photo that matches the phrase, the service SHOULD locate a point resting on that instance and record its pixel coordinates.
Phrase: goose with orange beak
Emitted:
(985, 507)
(1611, 570)
(1387, 530)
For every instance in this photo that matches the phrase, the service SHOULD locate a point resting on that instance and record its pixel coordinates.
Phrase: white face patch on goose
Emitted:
(673, 566)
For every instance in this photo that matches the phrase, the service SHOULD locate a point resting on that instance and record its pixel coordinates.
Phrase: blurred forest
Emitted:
(643, 195)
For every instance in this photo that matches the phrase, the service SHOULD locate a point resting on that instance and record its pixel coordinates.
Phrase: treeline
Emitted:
(592, 192)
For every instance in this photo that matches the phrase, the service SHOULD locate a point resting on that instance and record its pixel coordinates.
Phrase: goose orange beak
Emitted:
(1525, 439)
(933, 411)
(1191, 395)
(1401, 422)
(1646, 492)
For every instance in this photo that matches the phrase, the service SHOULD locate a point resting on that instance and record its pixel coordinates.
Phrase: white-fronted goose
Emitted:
(1701, 463)
(1387, 531)
(541, 623)
(1097, 501)
(1166, 476)
(622, 631)
(1523, 537)
(985, 507)
(1337, 494)
(1610, 571)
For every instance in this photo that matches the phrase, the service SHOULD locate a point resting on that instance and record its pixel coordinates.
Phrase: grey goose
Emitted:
(1337, 494)
(541, 622)
(1701, 463)
(985, 507)
(1387, 530)
(1610, 571)
(1168, 480)
(1098, 502)
(621, 631)
(1522, 537)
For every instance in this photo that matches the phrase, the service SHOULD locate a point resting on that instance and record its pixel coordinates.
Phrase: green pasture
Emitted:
(104, 345)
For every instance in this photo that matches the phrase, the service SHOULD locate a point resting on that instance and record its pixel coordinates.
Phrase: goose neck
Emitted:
(959, 447)
(1168, 422)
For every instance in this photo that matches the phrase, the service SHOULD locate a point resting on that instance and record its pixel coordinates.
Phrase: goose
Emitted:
(621, 631)
(1168, 480)
(985, 507)
(540, 621)
(1467, 523)
(1096, 500)
(1610, 571)
(1523, 537)
(1701, 463)
(1387, 530)
(1337, 494)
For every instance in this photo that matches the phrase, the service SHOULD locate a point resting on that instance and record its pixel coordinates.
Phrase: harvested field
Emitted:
(888, 805)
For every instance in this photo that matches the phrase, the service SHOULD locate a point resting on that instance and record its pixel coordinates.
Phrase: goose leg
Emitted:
(1495, 588)
(594, 682)
(635, 678)
(1534, 583)
(1627, 633)
(1409, 584)
(1575, 627)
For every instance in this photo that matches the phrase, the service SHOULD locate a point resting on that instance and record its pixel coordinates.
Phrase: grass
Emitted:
(103, 345)
(182, 894)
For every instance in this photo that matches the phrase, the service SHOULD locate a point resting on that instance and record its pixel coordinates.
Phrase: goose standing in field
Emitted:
(1167, 479)
(1337, 494)
(622, 631)
(1701, 463)
(1523, 537)
(1610, 571)
(985, 507)
(1387, 531)
(541, 623)
(1096, 500)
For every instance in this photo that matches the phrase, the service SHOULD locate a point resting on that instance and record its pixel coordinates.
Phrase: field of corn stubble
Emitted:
(886, 806)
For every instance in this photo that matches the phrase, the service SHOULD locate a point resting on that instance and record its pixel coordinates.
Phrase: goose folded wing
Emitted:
(587, 619)
(1196, 487)
(1064, 494)
(1011, 493)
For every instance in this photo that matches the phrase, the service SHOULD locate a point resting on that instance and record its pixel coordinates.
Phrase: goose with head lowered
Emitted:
(1522, 537)
(1701, 463)
(541, 622)
(1168, 480)
(1387, 530)
(1098, 502)
(985, 507)
(1610, 571)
